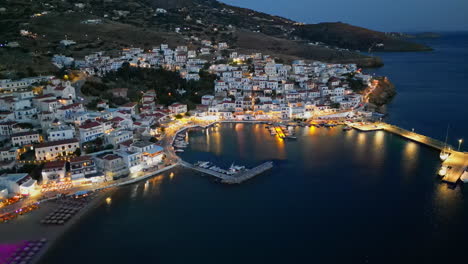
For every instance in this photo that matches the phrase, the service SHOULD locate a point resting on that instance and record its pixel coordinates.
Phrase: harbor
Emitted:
(455, 163)
(229, 176)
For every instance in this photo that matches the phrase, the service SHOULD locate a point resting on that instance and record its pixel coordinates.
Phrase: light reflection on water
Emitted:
(378, 148)
(318, 145)
(447, 202)
(410, 157)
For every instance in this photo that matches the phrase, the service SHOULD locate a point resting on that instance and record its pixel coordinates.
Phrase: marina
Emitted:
(455, 163)
(231, 176)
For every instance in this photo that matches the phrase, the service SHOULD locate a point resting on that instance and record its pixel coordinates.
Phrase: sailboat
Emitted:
(445, 153)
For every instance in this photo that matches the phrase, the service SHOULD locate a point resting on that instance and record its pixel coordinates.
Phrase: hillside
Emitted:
(110, 25)
(356, 38)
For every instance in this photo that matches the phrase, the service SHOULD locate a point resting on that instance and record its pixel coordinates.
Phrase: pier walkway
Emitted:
(235, 178)
(457, 162)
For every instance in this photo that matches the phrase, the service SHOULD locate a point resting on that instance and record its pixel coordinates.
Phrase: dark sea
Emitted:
(332, 196)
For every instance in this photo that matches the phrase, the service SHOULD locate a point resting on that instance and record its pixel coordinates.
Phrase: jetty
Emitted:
(457, 162)
(231, 179)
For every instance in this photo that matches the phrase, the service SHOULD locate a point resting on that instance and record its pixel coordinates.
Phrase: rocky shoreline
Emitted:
(382, 95)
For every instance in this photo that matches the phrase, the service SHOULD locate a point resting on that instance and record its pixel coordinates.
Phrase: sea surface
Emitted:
(332, 196)
(432, 87)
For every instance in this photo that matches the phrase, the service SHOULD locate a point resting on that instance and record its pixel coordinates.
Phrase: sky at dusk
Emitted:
(383, 15)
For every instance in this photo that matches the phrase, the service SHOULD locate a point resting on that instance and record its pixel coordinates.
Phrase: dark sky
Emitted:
(383, 15)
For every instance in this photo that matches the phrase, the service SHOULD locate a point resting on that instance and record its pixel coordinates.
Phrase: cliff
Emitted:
(383, 93)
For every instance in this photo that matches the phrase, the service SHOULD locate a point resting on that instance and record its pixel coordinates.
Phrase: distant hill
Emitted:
(356, 38)
(142, 23)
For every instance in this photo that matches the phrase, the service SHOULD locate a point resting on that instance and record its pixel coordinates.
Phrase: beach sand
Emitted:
(28, 226)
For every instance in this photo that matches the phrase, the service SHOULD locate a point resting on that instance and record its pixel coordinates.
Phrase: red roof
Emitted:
(56, 143)
(126, 143)
(81, 159)
(55, 164)
(117, 119)
(110, 157)
(25, 134)
(131, 104)
(59, 88)
(90, 124)
(71, 106)
(50, 101)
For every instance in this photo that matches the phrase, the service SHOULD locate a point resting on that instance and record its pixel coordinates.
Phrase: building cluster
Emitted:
(301, 90)
(181, 59)
(43, 123)
(252, 82)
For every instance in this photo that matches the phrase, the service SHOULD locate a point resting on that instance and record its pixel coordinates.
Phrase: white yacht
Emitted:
(444, 155)
(443, 171)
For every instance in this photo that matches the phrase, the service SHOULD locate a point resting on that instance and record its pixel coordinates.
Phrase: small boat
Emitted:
(235, 169)
(444, 155)
(443, 171)
(179, 150)
(347, 128)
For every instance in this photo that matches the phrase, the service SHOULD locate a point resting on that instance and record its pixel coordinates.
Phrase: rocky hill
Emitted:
(110, 25)
(356, 38)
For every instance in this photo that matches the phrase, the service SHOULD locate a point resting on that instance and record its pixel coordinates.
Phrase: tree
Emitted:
(335, 105)
(178, 116)
(77, 152)
(187, 114)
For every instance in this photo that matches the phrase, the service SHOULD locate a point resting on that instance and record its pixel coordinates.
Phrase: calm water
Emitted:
(333, 196)
(432, 87)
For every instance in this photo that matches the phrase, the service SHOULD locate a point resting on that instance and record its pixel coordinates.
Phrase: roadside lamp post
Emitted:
(412, 130)
(460, 141)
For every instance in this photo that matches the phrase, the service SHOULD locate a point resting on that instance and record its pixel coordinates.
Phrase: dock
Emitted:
(457, 161)
(232, 179)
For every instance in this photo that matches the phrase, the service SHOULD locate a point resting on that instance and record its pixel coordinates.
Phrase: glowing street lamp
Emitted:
(460, 141)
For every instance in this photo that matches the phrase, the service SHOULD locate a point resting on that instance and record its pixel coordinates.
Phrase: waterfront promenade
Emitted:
(456, 163)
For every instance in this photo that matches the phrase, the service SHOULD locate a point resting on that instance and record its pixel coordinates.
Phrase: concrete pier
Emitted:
(235, 178)
(457, 161)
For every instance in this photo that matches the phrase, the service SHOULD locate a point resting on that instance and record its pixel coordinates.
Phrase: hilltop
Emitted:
(110, 25)
(356, 38)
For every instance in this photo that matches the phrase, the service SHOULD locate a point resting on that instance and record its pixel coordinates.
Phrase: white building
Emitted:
(18, 183)
(152, 154)
(55, 149)
(82, 167)
(89, 131)
(177, 108)
(62, 132)
(53, 171)
(25, 138)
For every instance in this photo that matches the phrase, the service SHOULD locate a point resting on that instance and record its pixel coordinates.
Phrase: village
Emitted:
(52, 143)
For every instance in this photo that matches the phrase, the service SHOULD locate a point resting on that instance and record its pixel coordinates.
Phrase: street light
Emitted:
(459, 143)
(412, 130)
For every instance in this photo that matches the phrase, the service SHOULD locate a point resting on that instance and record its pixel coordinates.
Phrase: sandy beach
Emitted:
(28, 227)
